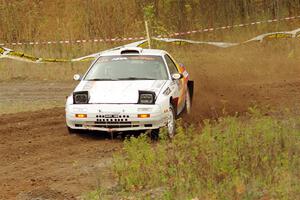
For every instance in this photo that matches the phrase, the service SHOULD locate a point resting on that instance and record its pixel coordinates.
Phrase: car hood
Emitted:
(118, 91)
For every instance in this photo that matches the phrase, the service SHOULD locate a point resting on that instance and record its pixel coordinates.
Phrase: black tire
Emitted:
(188, 103)
(73, 131)
(154, 134)
(171, 125)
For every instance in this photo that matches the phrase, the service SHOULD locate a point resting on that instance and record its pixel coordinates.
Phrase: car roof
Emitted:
(134, 51)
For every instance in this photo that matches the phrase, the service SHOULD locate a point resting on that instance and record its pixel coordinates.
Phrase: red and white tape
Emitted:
(74, 41)
(142, 38)
(229, 27)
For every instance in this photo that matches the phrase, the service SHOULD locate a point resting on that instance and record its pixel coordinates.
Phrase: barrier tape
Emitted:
(11, 54)
(159, 36)
(8, 53)
(283, 34)
(229, 27)
(184, 41)
(274, 35)
(74, 41)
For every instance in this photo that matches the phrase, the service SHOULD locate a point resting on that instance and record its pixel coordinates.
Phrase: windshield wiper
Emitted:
(136, 78)
(101, 79)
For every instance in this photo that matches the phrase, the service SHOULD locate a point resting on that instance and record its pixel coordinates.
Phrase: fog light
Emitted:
(143, 115)
(81, 115)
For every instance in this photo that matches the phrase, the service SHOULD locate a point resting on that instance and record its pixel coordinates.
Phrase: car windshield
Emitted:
(129, 67)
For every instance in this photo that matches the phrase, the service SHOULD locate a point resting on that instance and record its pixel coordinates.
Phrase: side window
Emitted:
(171, 65)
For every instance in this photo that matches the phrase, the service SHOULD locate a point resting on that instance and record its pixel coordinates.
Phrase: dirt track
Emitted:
(40, 159)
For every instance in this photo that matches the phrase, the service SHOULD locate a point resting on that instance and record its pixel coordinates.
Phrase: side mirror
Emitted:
(177, 76)
(77, 77)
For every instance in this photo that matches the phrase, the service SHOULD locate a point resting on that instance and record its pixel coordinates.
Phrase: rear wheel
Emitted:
(188, 102)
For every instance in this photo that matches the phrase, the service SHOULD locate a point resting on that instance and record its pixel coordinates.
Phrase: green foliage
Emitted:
(149, 12)
(228, 159)
(157, 27)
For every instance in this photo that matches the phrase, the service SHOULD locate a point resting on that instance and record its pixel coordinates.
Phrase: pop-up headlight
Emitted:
(146, 97)
(81, 97)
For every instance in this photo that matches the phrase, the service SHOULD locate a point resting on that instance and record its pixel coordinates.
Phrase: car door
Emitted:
(179, 84)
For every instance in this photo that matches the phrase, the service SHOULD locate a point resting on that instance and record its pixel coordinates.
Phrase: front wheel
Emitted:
(73, 131)
(154, 134)
(171, 124)
(170, 127)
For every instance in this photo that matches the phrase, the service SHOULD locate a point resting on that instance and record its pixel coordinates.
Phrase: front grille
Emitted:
(113, 121)
(112, 116)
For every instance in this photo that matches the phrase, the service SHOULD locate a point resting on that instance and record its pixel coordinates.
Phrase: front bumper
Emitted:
(115, 117)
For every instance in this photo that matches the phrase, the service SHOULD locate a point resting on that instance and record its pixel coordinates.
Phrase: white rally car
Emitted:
(130, 89)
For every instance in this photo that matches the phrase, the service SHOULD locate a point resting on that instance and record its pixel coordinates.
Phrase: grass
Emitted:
(230, 158)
